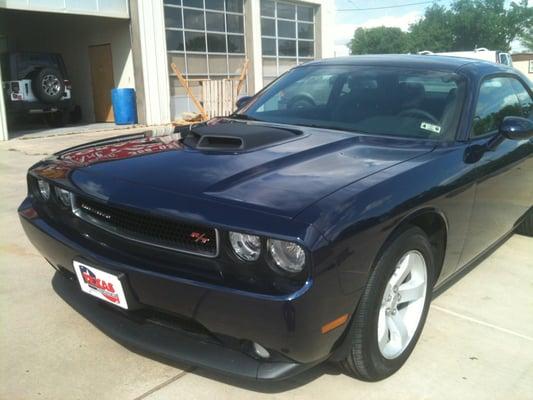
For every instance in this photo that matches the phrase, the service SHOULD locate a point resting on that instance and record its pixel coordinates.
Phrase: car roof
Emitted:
(432, 62)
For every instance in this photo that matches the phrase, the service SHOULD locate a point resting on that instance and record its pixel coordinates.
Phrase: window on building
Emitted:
(287, 36)
(205, 39)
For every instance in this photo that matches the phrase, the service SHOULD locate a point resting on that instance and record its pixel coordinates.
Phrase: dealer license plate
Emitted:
(100, 284)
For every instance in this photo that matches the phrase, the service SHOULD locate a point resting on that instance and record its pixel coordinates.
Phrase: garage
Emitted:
(60, 64)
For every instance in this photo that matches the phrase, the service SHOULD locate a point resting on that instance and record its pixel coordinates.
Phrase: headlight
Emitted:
(288, 256)
(246, 247)
(44, 189)
(63, 196)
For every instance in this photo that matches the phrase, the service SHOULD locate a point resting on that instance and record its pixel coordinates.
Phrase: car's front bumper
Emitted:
(171, 344)
(288, 326)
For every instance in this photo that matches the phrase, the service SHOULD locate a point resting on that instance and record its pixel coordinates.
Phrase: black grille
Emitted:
(147, 229)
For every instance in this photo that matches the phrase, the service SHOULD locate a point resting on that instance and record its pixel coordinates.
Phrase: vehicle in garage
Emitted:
(36, 83)
(264, 243)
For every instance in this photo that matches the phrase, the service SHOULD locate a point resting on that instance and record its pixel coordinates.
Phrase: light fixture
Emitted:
(288, 256)
(246, 247)
(44, 189)
(63, 196)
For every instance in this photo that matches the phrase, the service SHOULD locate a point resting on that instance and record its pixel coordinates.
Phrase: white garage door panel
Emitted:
(113, 6)
(109, 8)
(16, 4)
(55, 5)
(82, 5)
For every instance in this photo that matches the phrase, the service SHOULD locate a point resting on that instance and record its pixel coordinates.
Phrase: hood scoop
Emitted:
(236, 136)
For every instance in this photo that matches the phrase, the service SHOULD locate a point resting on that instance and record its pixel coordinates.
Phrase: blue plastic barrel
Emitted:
(124, 106)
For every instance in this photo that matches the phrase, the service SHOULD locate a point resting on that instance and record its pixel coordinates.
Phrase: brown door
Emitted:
(102, 81)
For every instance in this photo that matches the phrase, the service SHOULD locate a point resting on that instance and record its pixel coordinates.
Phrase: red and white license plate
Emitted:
(100, 284)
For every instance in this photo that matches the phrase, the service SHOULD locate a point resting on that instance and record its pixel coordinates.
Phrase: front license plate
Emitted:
(100, 284)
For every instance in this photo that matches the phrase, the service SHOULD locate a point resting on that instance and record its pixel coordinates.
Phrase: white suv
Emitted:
(36, 83)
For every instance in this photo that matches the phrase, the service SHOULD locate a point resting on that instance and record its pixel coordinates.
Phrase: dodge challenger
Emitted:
(293, 232)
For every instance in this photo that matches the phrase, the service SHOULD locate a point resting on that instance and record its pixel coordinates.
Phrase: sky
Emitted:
(348, 21)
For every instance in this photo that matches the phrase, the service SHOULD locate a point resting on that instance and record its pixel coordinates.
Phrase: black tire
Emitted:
(526, 226)
(48, 85)
(55, 119)
(365, 360)
(75, 115)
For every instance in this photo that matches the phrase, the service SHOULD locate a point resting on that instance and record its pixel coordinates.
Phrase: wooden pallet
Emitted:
(218, 96)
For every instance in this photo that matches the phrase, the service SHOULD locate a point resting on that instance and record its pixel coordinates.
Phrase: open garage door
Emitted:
(59, 68)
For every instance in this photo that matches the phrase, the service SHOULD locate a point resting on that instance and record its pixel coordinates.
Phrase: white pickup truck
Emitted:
(481, 53)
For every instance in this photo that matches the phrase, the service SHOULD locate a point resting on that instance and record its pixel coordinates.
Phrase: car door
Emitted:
(503, 167)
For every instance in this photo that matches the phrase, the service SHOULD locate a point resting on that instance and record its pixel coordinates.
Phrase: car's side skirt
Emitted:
(462, 271)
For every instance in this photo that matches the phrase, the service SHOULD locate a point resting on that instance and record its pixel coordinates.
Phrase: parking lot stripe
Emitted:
(477, 321)
(163, 384)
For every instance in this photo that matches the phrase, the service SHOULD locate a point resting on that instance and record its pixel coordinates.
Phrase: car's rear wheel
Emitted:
(393, 308)
(48, 85)
(526, 226)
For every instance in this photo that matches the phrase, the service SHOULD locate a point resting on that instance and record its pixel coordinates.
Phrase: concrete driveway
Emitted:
(477, 343)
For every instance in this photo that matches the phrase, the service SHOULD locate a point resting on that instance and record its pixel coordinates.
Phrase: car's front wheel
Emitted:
(393, 308)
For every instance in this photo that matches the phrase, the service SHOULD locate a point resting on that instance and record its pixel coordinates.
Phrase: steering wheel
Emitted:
(416, 112)
(300, 102)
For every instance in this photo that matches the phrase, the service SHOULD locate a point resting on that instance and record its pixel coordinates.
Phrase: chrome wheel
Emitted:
(402, 304)
(51, 85)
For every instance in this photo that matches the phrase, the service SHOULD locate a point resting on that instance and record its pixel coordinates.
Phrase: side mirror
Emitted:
(516, 128)
(240, 103)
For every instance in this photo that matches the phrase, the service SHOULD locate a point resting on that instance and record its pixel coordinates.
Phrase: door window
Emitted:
(505, 59)
(497, 100)
(526, 102)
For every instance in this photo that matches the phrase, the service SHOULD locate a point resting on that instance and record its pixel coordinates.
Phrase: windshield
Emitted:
(28, 62)
(373, 100)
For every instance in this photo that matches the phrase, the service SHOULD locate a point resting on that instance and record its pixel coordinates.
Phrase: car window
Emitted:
(27, 62)
(365, 99)
(353, 84)
(505, 59)
(525, 99)
(429, 84)
(310, 91)
(497, 99)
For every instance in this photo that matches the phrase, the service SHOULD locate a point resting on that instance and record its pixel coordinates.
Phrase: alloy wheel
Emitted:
(402, 304)
(51, 85)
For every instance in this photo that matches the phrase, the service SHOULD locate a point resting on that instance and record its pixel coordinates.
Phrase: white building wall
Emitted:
(324, 39)
(252, 12)
(524, 67)
(107, 8)
(326, 27)
(150, 54)
(3, 122)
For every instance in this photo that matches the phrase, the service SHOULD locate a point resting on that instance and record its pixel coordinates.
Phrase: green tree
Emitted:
(468, 24)
(486, 23)
(433, 32)
(380, 40)
(527, 39)
(465, 25)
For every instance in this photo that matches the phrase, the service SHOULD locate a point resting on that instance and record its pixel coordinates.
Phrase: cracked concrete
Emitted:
(478, 341)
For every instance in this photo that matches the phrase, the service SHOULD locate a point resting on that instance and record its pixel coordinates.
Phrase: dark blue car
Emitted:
(293, 232)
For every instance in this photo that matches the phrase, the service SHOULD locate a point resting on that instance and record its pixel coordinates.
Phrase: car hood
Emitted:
(281, 178)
